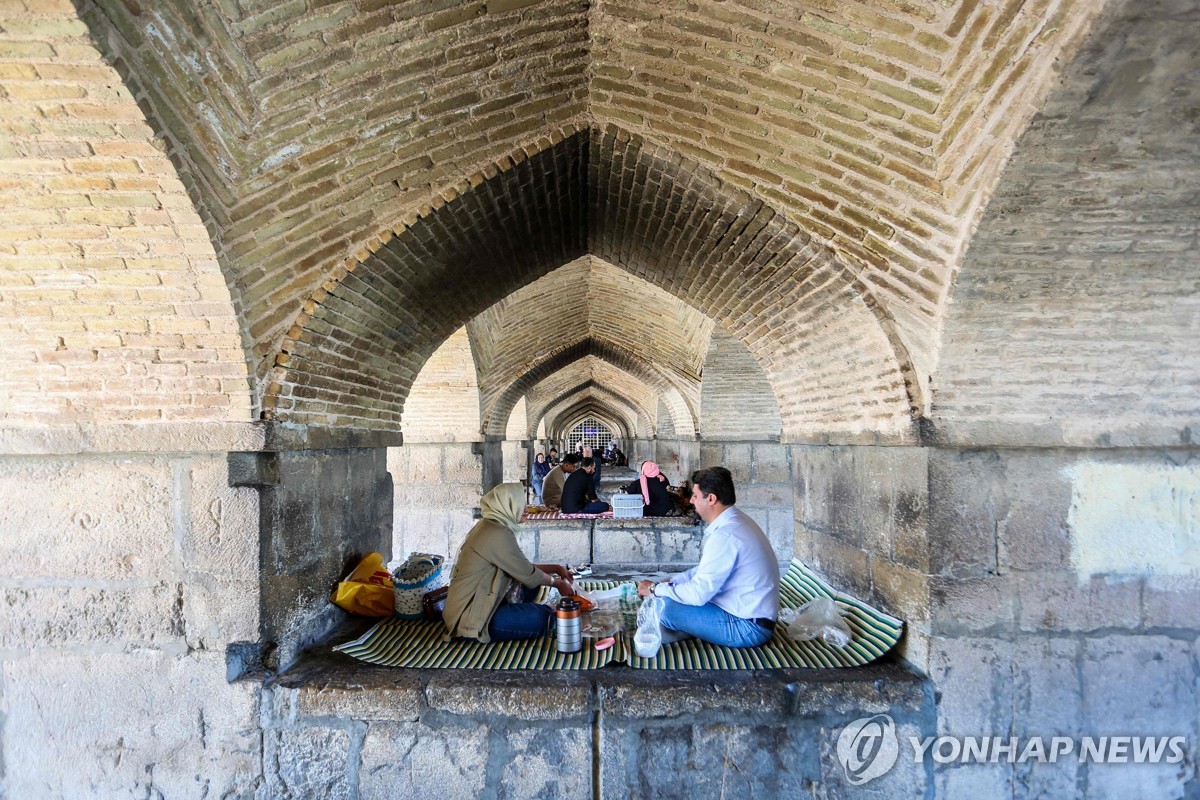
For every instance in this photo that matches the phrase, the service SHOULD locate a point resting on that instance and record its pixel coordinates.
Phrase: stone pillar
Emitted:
(491, 449)
(320, 512)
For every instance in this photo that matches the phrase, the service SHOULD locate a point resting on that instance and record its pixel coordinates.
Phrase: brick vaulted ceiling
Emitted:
(826, 161)
(618, 328)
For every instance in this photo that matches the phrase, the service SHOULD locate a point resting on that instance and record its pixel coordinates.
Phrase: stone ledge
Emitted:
(325, 683)
(618, 731)
(152, 437)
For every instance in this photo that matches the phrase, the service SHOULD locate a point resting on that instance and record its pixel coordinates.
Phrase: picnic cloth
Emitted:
(419, 645)
(560, 515)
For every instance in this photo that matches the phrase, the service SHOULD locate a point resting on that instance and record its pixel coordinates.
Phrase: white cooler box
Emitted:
(627, 506)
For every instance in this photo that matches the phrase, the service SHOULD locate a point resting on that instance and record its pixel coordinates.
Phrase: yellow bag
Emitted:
(368, 590)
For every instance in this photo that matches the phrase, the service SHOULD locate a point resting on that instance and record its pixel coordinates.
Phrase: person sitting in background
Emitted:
(488, 564)
(553, 459)
(537, 476)
(552, 486)
(578, 496)
(653, 487)
(619, 459)
(587, 453)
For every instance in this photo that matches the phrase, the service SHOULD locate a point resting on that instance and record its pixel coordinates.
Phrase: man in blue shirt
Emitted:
(732, 596)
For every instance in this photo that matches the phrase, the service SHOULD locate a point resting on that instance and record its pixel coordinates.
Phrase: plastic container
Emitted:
(627, 506)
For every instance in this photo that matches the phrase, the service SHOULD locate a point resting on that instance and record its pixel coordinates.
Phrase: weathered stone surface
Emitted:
(532, 696)
(1159, 665)
(976, 684)
(974, 780)
(223, 536)
(907, 778)
(1060, 602)
(740, 693)
(967, 494)
(216, 612)
(103, 519)
(58, 616)
(101, 719)
(973, 606)
(1170, 601)
(374, 695)
(771, 464)
(1048, 701)
(1033, 534)
(308, 762)
(409, 760)
(564, 545)
(547, 762)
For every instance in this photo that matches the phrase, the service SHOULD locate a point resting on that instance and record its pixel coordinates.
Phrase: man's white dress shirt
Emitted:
(738, 570)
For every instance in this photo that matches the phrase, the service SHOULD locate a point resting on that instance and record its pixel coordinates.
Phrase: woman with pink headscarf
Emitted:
(652, 486)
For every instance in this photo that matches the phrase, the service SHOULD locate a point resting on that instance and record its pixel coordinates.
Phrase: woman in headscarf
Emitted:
(489, 563)
(537, 476)
(652, 486)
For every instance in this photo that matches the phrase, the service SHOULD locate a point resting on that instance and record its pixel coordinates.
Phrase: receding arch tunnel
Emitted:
(793, 305)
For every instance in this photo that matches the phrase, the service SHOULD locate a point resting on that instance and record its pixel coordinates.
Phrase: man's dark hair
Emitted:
(588, 461)
(553, 449)
(572, 458)
(718, 481)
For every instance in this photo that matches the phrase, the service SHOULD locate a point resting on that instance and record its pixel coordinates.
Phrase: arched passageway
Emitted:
(235, 237)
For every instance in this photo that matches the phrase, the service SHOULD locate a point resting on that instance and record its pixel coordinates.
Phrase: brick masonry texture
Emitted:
(692, 231)
(880, 132)
(1065, 321)
(113, 307)
(641, 330)
(263, 106)
(443, 405)
(736, 399)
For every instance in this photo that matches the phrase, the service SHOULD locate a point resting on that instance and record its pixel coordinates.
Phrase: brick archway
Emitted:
(351, 356)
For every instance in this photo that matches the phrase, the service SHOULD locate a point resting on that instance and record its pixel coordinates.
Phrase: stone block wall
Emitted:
(557, 541)
(437, 487)
(861, 519)
(516, 461)
(763, 479)
(125, 578)
(676, 458)
(321, 511)
(1060, 580)
(596, 734)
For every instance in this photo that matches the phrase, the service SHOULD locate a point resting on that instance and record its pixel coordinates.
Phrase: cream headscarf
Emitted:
(505, 504)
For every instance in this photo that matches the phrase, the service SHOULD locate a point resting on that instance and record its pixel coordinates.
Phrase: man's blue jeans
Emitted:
(713, 624)
(594, 507)
(520, 620)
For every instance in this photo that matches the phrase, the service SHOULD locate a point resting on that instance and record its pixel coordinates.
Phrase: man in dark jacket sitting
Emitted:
(578, 496)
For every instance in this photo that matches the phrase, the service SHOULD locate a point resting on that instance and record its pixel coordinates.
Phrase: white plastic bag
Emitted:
(648, 638)
(817, 618)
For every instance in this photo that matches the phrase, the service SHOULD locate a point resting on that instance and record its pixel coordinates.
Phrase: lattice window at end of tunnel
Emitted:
(590, 432)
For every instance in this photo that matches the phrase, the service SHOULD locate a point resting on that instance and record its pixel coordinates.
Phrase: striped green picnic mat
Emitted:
(401, 643)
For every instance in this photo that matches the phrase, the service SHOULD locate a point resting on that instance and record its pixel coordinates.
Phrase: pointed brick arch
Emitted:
(352, 355)
(581, 410)
(644, 422)
(683, 412)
